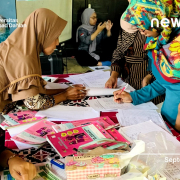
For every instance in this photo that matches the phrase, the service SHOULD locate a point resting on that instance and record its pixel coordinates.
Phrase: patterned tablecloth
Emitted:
(39, 155)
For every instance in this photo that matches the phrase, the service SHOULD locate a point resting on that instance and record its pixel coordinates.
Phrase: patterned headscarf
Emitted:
(141, 12)
(167, 59)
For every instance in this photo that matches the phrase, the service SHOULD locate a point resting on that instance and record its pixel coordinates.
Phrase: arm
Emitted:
(54, 91)
(147, 93)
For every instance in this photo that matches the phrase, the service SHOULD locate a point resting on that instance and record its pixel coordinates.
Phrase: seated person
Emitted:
(4, 29)
(88, 37)
(20, 68)
(19, 169)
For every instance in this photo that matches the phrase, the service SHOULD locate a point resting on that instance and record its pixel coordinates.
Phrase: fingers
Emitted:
(100, 24)
(115, 85)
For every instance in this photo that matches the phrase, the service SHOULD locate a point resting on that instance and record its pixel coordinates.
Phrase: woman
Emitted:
(89, 37)
(130, 60)
(165, 67)
(20, 66)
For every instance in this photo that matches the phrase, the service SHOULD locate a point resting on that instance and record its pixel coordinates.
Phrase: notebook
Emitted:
(19, 118)
(35, 134)
(67, 142)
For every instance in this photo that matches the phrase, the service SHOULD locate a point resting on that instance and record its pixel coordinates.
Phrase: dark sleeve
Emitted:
(2, 140)
(84, 36)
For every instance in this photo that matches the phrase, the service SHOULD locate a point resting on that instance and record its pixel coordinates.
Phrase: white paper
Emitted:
(22, 146)
(100, 67)
(130, 117)
(69, 113)
(51, 85)
(132, 132)
(94, 103)
(146, 106)
(100, 91)
(17, 129)
(109, 104)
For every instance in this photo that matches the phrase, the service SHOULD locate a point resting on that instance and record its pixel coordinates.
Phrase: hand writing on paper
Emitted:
(122, 97)
(21, 170)
(75, 92)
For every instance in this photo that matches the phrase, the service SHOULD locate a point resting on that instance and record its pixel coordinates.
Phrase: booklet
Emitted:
(67, 142)
(36, 134)
(19, 118)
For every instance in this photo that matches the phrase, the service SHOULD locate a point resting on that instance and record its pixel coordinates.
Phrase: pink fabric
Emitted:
(112, 115)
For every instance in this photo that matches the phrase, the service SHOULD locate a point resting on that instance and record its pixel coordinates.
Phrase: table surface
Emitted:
(39, 155)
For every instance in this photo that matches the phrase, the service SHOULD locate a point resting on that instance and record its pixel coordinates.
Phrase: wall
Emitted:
(8, 10)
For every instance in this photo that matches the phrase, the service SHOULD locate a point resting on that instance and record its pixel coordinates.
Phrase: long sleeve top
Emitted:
(159, 87)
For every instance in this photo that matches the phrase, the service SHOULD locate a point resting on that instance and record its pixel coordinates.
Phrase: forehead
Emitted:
(94, 15)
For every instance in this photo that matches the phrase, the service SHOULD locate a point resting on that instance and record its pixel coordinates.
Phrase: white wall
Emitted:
(62, 8)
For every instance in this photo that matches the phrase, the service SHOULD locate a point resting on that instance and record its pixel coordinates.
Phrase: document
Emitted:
(132, 132)
(100, 67)
(130, 117)
(69, 113)
(146, 106)
(109, 104)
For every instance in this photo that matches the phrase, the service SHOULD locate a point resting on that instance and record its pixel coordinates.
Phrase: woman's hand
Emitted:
(109, 25)
(148, 33)
(75, 92)
(122, 97)
(177, 124)
(101, 26)
(146, 80)
(111, 82)
(21, 170)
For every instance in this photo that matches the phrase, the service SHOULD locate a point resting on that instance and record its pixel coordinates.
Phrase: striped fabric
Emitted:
(137, 61)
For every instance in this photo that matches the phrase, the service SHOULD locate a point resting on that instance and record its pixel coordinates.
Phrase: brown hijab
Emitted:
(20, 68)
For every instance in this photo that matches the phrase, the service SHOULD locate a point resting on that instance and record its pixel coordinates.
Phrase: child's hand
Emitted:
(122, 97)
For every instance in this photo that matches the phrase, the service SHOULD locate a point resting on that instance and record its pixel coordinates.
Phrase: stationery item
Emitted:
(109, 104)
(113, 126)
(36, 134)
(56, 162)
(69, 113)
(92, 167)
(100, 67)
(67, 142)
(132, 132)
(128, 117)
(19, 118)
(50, 79)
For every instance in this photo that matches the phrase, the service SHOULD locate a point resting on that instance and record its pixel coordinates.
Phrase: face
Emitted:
(93, 19)
(49, 50)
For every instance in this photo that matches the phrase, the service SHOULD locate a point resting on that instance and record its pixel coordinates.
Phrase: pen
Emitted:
(124, 88)
(113, 126)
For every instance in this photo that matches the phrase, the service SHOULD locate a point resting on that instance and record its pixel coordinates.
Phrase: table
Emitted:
(39, 155)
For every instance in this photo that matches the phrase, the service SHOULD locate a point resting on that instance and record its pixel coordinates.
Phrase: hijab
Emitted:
(20, 66)
(85, 18)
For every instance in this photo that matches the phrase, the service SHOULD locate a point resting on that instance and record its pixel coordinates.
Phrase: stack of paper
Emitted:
(132, 132)
(130, 117)
(69, 113)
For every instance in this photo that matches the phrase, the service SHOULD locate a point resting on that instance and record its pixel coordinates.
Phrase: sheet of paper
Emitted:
(130, 117)
(94, 103)
(146, 106)
(132, 132)
(17, 129)
(100, 91)
(69, 113)
(100, 67)
(51, 85)
(109, 104)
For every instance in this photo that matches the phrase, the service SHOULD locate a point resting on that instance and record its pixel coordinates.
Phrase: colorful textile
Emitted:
(167, 60)
(141, 12)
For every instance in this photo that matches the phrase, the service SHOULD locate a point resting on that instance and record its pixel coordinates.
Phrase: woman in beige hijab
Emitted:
(20, 68)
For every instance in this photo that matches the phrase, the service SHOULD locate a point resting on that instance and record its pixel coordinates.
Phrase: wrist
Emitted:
(12, 158)
(114, 74)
